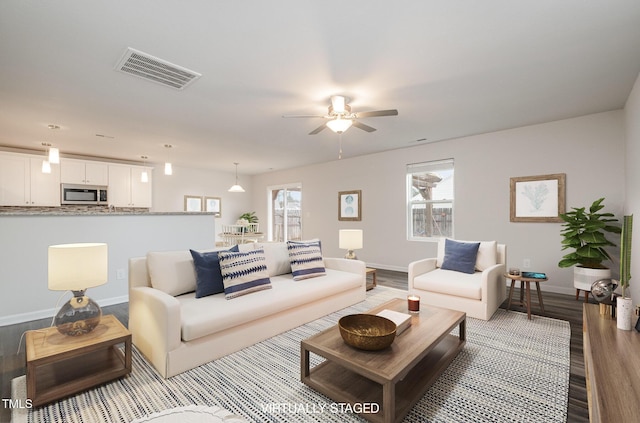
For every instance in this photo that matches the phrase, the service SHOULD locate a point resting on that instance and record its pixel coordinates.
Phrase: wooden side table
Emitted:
(371, 271)
(525, 288)
(60, 365)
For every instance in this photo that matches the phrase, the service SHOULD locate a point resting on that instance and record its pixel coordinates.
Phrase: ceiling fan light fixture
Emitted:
(338, 102)
(339, 125)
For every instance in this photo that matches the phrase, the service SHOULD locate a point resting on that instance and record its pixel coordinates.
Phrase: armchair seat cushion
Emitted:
(447, 282)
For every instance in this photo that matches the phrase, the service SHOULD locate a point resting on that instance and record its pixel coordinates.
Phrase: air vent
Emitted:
(153, 69)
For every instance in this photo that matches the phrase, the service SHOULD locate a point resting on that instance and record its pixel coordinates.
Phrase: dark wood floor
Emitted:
(557, 306)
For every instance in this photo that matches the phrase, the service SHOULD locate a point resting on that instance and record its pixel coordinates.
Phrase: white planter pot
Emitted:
(584, 277)
(624, 313)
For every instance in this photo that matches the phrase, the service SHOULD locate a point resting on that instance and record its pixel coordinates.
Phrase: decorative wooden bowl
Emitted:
(367, 331)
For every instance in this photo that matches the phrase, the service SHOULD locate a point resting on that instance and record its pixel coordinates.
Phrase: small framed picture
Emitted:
(350, 205)
(213, 205)
(537, 198)
(192, 203)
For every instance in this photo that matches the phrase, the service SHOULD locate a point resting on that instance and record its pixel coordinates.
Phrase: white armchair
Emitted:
(478, 294)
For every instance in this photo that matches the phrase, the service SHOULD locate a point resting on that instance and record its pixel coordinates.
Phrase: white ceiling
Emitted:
(452, 68)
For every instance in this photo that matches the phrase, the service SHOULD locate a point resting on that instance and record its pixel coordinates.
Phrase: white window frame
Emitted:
(424, 167)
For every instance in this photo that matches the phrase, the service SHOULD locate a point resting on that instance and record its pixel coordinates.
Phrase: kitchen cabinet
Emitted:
(84, 172)
(22, 182)
(126, 188)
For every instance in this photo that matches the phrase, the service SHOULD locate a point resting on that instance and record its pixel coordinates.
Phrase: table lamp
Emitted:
(350, 239)
(76, 267)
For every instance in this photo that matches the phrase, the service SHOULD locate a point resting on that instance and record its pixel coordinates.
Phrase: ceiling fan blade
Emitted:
(318, 129)
(362, 126)
(374, 113)
(303, 116)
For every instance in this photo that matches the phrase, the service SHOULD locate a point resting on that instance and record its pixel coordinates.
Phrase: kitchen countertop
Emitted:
(52, 213)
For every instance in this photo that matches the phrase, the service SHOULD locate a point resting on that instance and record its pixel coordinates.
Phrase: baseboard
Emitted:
(47, 313)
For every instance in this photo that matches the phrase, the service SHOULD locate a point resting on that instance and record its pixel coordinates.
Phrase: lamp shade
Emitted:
(350, 239)
(76, 267)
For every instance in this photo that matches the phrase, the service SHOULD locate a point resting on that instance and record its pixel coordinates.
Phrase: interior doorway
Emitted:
(285, 213)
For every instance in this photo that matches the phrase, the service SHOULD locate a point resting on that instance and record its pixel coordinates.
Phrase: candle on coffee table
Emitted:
(413, 302)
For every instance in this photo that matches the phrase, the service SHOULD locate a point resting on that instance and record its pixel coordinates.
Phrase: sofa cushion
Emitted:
(277, 257)
(213, 314)
(208, 274)
(487, 254)
(451, 283)
(460, 256)
(306, 259)
(172, 271)
(243, 273)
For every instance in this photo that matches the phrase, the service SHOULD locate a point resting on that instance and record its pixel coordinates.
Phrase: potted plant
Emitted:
(624, 304)
(584, 233)
(246, 219)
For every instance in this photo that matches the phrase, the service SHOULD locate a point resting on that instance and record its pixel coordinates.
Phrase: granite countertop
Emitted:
(91, 211)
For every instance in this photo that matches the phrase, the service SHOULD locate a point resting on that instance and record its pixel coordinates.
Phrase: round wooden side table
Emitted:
(525, 289)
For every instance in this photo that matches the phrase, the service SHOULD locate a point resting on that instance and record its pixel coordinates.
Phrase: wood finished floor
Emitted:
(557, 306)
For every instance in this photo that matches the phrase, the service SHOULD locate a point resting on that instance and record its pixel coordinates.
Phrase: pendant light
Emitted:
(168, 169)
(236, 187)
(144, 176)
(54, 153)
(46, 163)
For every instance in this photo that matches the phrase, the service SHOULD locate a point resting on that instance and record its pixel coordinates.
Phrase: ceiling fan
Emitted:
(340, 117)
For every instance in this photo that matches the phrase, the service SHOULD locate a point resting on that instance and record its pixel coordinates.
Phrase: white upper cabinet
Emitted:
(126, 188)
(22, 182)
(83, 172)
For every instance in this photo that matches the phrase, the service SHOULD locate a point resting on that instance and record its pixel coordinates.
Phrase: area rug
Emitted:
(511, 369)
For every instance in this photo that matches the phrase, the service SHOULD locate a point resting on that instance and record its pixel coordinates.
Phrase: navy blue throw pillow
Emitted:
(460, 256)
(208, 274)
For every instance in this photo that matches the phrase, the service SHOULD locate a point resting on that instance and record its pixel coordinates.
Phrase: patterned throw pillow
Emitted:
(243, 273)
(306, 259)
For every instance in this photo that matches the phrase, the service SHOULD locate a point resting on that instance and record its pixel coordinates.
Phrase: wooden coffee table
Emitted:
(390, 381)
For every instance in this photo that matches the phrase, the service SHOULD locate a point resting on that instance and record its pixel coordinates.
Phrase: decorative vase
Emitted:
(624, 313)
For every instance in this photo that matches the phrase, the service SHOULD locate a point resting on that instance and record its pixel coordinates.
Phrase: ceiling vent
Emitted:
(153, 69)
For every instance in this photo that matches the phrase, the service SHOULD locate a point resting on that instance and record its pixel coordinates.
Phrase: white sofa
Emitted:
(478, 294)
(179, 332)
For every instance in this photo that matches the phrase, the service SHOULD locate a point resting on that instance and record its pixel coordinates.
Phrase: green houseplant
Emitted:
(584, 232)
(250, 217)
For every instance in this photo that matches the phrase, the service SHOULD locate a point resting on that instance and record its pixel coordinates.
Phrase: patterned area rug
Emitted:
(511, 369)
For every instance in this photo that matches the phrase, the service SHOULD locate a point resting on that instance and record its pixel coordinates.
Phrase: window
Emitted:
(430, 200)
(285, 220)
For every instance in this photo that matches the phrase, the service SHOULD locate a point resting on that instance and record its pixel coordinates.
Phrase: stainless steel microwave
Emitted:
(83, 194)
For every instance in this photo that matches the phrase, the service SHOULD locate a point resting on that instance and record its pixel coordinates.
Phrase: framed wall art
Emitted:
(213, 205)
(192, 203)
(537, 198)
(350, 205)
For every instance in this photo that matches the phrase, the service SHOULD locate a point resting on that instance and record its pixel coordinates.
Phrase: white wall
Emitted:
(632, 191)
(589, 149)
(169, 191)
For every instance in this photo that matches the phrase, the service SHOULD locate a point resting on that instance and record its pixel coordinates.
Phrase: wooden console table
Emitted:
(612, 366)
